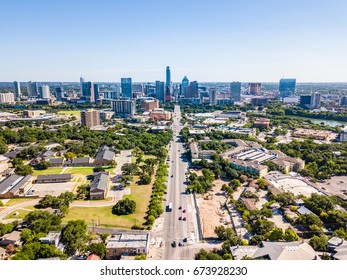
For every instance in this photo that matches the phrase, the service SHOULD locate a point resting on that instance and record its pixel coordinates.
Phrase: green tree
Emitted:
(43, 165)
(23, 170)
(124, 207)
(42, 221)
(74, 236)
(98, 248)
(140, 257)
(3, 147)
(276, 234)
(290, 235)
(319, 243)
(204, 255)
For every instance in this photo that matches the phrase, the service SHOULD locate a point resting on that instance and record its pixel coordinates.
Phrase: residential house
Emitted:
(98, 186)
(11, 238)
(53, 237)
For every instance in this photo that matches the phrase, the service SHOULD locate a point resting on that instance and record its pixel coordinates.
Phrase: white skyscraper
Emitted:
(45, 92)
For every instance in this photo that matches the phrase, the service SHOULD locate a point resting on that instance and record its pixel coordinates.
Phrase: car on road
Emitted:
(184, 211)
(173, 244)
(185, 239)
(180, 244)
(171, 176)
(184, 218)
(180, 218)
(179, 208)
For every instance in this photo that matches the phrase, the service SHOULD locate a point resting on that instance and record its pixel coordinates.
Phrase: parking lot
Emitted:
(53, 189)
(336, 185)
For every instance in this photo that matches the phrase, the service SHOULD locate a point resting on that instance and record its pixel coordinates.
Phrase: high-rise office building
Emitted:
(33, 89)
(81, 85)
(235, 91)
(254, 88)
(160, 91)
(6, 98)
(213, 96)
(168, 79)
(123, 108)
(45, 92)
(184, 85)
(305, 100)
(343, 101)
(96, 92)
(316, 104)
(193, 90)
(88, 92)
(287, 87)
(59, 93)
(167, 95)
(138, 88)
(17, 92)
(29, 89)
(150, 90)
(127, 89)
(90, 117)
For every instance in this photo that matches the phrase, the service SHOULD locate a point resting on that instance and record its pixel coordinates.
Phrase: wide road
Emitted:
(175, 229)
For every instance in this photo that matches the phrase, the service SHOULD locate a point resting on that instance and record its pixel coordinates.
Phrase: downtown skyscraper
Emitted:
(287, 87)
(17, 92)
(168, 78)
(235, 91)
(160, 91)
(127, 89)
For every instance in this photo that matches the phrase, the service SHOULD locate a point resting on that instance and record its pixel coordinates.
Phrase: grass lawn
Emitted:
(21, 214)
(76, 113)
(133, 158)
(141, 195)
(80, 170)
(52, 170)
(15, 201)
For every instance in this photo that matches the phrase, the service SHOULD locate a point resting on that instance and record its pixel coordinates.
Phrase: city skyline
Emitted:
(247, 42)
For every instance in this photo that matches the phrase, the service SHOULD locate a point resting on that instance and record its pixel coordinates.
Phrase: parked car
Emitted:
(184, 211)
(180, 218)
(185, 239)
(173, 244)
(184, 218)
(180, 244)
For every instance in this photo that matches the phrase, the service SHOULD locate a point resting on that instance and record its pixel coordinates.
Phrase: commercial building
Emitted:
(160, 91)
(295, 250)
(98, 186)
(287, 88)
(343, 101)
(311, 133)
(193, 90)
(104, 156)
(160, 115)
(54, 178)
(17, 91)
(127, 89)
(90, 117)
(235, 91)
(15, 186)
(310, 101)
(33, 113)
(59, 93)
(96, 92)
(184, 85)
(106, 115)
(259, 101)
(213, 96)
(138, 88)
(149, 105)
(254, 88)
(343, 135)
(88, 93)
(262, 123)
(248, 166)
(44, 92)
(168, 79)
(127, 244)
(123, 108)
(33, 89)
(7, 98)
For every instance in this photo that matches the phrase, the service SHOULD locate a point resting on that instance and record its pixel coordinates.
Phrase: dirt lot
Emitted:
(212, 211)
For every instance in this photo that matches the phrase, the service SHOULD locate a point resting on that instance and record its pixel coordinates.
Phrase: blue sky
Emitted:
(217, 40)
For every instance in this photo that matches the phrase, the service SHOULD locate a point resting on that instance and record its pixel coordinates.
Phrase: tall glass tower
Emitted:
(127, 89)
(168, 78)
